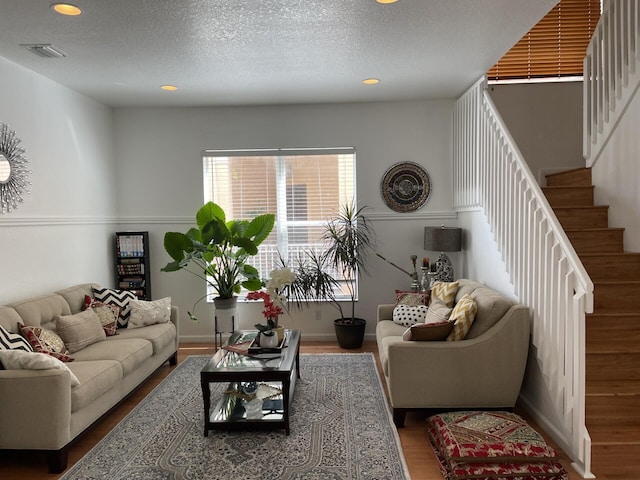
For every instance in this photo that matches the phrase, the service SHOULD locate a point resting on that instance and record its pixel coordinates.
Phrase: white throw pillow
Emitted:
(21, 360)
(438, 312)
(145, 313)
(407, 315)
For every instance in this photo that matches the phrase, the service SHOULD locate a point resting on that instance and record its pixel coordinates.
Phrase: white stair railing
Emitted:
(490, 174)
(611, 73)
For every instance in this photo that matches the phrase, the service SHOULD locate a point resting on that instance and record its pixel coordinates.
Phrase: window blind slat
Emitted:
(555, 46)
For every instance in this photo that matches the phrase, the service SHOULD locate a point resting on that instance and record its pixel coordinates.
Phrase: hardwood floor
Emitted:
(420, 459)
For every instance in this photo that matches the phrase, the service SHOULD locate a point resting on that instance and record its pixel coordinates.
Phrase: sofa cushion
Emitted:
(80, 329)
(491, 307)
(130, 352)
(41, 311)
(46, 341)
(9, 319)
(144, 313)
(444, 291)
(408, 315)
(21, 360)
(96, 377)
(463, 313)
(75, 294)
(466, 287)
(13, 341)
(121, 298)
(160, 335)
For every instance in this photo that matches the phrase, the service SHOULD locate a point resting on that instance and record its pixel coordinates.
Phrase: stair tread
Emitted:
(612, 387)
(593, 229)
(618, 434)
(566, 187)
(610, 254)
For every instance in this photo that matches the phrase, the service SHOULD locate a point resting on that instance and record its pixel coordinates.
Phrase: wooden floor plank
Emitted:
(420, 459)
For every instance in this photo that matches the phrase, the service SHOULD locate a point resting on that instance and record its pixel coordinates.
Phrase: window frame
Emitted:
(281, 227)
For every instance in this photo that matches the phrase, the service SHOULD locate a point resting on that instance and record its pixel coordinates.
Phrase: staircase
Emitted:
(612, 330)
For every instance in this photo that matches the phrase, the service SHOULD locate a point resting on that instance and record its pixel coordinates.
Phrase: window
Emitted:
(554, 47)
(303, 188)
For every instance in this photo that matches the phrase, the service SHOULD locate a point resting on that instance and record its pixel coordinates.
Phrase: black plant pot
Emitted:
(350, 333)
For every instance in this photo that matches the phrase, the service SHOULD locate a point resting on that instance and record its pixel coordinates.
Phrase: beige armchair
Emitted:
(485, 370)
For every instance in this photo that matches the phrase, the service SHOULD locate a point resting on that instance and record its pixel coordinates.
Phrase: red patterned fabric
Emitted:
(46, 341)
(108, 314)
(491, 445)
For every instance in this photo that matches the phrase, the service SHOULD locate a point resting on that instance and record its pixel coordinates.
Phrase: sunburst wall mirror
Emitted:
(13, 170)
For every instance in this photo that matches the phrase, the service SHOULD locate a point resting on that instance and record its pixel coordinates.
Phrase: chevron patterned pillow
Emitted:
(445, 291)
(13, 341)
(119, 298)
(464, 313)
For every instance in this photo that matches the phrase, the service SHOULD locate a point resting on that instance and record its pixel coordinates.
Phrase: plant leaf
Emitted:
(176, 244)
(208, 212)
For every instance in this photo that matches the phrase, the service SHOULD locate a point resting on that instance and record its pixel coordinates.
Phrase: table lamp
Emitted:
(443, 239)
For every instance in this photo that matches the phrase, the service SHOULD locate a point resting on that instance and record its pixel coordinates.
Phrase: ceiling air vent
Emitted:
(45, 50)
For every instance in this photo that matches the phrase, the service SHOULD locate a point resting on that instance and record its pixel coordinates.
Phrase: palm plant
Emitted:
(347, 238)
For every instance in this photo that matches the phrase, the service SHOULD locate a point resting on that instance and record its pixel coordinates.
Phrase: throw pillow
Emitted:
(407, 315)
(80, 330)
(119, 298)
(426, 332)
(46, 341)
(13, 341)
(108, 314)
(412, 298)
(145, 313)
(21, 360)
(463, 313)
(438, 312)
(445, 291)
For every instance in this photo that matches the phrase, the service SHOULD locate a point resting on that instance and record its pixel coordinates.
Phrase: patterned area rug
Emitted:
(340, 429)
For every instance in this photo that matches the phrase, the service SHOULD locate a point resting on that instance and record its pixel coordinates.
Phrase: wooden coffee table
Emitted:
(236, 369)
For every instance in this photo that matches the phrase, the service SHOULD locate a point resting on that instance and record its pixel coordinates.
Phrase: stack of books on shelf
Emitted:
(130, 245)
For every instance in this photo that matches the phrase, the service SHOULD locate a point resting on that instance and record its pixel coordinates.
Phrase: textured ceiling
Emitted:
(250, 52)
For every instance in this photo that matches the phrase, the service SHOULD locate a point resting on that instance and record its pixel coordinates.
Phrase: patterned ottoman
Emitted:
(499, 445)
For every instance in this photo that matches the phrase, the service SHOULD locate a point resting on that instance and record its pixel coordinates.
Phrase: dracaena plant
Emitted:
(218, 250)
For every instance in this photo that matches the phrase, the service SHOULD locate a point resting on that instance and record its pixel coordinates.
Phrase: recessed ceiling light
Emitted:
(371, 81)
(66, 9)
(169, 88)
(386, 1)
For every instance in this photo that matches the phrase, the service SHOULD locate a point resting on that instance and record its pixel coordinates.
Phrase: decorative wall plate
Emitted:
(13, 170)
(405, 187)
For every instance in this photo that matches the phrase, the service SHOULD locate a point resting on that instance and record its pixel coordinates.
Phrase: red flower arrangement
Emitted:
(271, 310)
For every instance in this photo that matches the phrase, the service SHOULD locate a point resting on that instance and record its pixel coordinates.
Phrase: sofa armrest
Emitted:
(485, 371)
(175, 319)
(385, 312)
(40, 413)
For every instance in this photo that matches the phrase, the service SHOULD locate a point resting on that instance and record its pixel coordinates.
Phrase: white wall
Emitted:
(158, 154)
(61, 234)
(616, 173)
(545, 120)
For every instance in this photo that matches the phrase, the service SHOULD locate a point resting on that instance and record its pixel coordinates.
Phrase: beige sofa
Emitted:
(485, 370)
(41, 410)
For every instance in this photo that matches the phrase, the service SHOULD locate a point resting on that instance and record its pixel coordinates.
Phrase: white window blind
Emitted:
(302, 187)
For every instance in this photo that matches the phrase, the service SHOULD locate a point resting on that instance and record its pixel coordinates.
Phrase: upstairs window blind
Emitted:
(554, 47)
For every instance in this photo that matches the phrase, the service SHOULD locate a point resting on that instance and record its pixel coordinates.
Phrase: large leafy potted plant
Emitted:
(218, 251)
(348, 239)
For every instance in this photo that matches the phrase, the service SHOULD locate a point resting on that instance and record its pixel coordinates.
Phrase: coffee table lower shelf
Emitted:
(230, 414)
